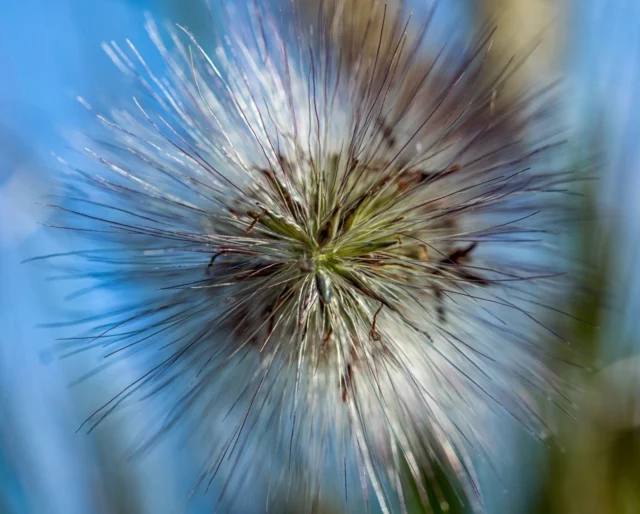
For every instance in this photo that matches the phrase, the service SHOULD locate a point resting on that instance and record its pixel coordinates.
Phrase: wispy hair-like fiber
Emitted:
(335, 263)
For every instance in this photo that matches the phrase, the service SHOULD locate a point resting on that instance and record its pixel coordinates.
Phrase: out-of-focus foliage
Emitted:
(525, 28)
(597, 468)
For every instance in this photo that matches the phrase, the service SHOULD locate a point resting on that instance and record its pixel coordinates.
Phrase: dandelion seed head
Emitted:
(320, 246)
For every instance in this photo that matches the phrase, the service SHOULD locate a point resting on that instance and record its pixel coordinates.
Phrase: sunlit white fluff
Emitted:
(337, 262)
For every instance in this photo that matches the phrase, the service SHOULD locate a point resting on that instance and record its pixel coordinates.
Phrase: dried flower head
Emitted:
(330, 257)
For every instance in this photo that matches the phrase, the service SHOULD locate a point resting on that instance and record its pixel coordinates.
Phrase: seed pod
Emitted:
(323, 285)
(306, 265)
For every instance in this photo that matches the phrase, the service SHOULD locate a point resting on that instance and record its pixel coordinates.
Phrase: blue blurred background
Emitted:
(50, 53)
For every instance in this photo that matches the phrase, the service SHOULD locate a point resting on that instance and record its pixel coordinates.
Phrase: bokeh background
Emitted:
(50, 53)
